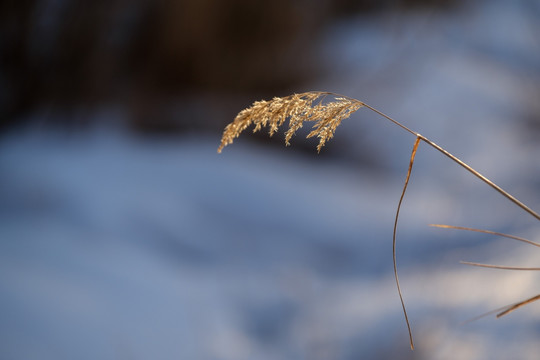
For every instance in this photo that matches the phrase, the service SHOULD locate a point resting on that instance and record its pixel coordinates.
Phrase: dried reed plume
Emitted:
(328, 110)
(298, 108)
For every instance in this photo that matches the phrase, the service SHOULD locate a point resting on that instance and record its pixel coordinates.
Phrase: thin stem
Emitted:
(499, 266)
(518, 305)
(413, 154)
(487, 232)
(504, 310)
(394, 121)
(484, 179)
(491, 312)
(461, 163)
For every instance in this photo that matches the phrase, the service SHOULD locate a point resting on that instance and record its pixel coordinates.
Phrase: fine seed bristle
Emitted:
(298, 108)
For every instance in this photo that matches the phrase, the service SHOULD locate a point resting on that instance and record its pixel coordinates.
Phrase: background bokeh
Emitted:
(124, 235)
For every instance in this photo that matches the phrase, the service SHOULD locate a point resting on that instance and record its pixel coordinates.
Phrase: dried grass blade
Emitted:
(491, 312)
(503, 310)
(500, 266)
(413, 154)
(486, 232)
(518, 305)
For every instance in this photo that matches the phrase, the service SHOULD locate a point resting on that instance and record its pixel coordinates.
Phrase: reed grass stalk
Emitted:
(327, 110)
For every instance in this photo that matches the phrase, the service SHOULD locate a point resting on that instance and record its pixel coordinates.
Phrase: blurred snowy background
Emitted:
(123, 235)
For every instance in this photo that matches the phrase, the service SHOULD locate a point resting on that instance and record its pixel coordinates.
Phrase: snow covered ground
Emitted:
(115, 247)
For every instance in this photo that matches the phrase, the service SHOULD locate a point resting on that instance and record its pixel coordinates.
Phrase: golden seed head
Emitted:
(298, 108)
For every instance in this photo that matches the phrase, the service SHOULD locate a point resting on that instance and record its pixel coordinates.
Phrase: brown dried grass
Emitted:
(327, 110)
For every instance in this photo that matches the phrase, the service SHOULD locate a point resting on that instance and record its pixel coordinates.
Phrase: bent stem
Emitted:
(481, 177)
(411, 162)
(478, 175)
(461, 163)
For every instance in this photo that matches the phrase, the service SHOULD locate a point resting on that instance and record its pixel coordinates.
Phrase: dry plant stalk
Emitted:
(327, 110)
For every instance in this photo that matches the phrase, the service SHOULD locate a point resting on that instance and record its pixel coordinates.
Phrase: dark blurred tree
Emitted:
(61, 55)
